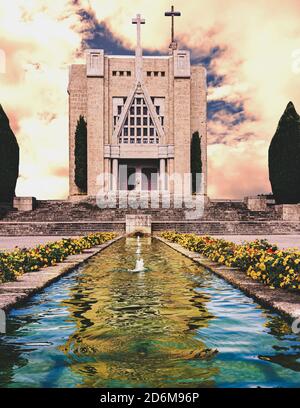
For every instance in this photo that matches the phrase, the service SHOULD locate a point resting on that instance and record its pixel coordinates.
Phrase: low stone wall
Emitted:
(289, 212)
(256, 203)
(24, 203)
(77, 198)
(138, 223)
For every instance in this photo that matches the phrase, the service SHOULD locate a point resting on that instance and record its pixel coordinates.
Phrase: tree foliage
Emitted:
(9, 160)
(196, 162)
(81, 154)
(284, 158)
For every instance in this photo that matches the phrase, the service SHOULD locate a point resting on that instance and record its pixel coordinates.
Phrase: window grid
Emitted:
(138, 127)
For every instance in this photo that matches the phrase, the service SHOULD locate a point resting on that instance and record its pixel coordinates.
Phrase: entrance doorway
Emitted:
(139, 176)
(149, 178)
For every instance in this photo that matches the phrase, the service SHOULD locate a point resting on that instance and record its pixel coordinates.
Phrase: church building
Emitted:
(141, 113)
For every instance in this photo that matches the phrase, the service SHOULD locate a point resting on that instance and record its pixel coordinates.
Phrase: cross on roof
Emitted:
(172, 14)
(138, 21)
(138, 51)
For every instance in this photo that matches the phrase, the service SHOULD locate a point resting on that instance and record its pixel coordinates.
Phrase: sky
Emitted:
(251, 50)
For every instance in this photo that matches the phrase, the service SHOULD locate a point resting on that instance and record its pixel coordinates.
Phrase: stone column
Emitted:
(171, 172)
(107, 171)
(115, 174)
(162, 174)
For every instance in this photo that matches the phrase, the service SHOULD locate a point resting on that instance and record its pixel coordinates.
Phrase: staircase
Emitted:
(237, 211)
(88, 211)
(55, 217)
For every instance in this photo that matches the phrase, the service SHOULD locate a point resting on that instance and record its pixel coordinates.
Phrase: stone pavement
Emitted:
(9, 243)
(283, 241)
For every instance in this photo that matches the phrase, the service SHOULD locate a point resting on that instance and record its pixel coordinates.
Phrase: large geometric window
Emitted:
(138, 126)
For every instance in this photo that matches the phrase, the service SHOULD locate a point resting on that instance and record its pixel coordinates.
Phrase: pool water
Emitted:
(173, 325)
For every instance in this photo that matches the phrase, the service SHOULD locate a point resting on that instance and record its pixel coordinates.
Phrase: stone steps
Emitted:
(229, 227)
(198, 227)
(88, 211)
(76, 218)
(58, 228)
(79, 214)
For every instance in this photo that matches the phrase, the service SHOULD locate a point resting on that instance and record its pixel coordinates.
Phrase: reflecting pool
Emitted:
(172, 325)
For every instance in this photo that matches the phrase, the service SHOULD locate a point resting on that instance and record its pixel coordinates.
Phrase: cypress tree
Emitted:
(284, 158)
(81, 154)
(9, 160)
(196, 162)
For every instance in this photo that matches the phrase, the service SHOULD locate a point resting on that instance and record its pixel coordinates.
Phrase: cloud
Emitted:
(232, 173)
(40, 41)
(247, 48)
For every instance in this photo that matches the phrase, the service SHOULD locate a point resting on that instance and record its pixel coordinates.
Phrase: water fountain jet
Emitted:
(139, 266)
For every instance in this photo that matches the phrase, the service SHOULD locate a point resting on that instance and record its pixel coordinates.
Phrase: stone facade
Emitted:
(107, 91)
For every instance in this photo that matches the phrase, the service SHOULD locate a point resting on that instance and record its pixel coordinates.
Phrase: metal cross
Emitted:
(172, 14)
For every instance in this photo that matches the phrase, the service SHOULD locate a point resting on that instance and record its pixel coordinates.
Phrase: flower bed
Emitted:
(259, 259)
(19, 261)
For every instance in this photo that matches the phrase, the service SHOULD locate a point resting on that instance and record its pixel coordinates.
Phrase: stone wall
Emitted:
(256, 203)
(182, 125)
(138, 223)
(198, 113)
(24, 203)
(95, 127)
(289, 212)
(77, 106)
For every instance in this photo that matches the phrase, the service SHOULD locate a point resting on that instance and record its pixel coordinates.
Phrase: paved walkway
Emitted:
(283, 241)
(9, 243)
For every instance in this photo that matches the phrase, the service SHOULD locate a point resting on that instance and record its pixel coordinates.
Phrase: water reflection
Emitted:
(137, 321)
